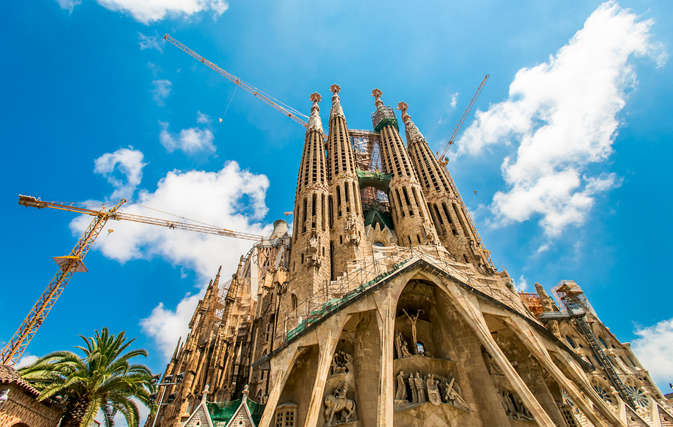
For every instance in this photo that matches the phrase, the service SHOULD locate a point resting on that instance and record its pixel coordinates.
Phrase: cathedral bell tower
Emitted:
(410, 213)
(346, 219)
(310, 257)
(447, 215)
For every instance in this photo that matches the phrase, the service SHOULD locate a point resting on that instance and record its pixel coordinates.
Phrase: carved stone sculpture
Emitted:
(420, 388)
(342, 363)
(453, 396)
(338, 403)
(412, 386)
(401, 346)
(401, 392)
(413, 320)
(522, 412)
(434, 396)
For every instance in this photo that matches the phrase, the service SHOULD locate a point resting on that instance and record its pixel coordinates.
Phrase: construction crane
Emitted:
(443, 160)
(292, 113)
(72, 263)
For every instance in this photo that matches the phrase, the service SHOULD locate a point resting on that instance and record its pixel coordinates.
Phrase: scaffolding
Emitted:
(572, 301)
(532, 301)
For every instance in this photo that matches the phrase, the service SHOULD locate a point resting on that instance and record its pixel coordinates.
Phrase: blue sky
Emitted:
(567, 147)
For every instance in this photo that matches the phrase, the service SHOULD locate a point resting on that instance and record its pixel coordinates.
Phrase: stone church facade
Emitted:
(383, 309)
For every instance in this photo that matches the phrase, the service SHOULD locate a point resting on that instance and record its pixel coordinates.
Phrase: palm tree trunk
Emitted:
(74, 415)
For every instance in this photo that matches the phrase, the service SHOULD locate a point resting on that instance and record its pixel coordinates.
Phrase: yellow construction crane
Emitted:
(72, 263)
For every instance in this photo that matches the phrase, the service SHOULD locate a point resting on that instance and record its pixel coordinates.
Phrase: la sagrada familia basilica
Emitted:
(383, 308)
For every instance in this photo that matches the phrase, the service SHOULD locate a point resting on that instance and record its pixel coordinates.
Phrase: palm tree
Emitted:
(101, 380)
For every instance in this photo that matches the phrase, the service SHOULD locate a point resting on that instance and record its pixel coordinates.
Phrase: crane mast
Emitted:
(70, 264)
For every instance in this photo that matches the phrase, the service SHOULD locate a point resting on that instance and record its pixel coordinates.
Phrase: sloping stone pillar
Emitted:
(469, 306)
(386, 304)
(538, 349)
(328, 338)
(281, 366)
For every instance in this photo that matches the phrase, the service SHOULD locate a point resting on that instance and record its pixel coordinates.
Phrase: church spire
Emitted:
(450, 219)
(346, 220)
(310, 256)
(413, 225)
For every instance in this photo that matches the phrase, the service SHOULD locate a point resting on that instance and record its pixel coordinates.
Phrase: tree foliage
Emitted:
(103, 380)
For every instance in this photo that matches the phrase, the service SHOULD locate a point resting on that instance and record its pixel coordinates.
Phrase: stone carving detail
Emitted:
(429, 389)
(352, 235)
(338, 403)
(401, 346)
(342, 363)
(401, 392)
(514, 407)
(492, 365)
(413, 320)
(452, 395)
(434, 395)
(419, 384)
(313, 255)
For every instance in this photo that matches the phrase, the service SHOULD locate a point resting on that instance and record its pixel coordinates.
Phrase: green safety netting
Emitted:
(223, 412)
(372, 216)
(386, 121)
(378, 180)
(256, 410)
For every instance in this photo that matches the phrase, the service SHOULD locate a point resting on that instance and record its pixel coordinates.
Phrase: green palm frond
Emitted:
(102, 380)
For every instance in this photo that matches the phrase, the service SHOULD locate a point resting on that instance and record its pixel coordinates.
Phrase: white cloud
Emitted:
(191, 141)
(202, 118)
(125, 161)
(160, 91)
(147, 11)
(25, 360)
(167, 326)
(230, 198)
(68, 4)
(521, 285)
(563, 113)
(120, 421)
(151, 42)
(654, 348)
(454, 100)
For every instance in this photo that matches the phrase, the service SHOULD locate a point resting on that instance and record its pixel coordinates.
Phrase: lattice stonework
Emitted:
(638, 396)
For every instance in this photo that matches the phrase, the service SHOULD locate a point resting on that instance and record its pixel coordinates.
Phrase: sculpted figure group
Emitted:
(338, 403)
(429, 389)
(342, 363)
(514, 407)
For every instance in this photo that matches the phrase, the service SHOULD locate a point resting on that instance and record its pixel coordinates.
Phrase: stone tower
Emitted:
(450, 221)
(310, 258)
(410, 212)
(346, 219)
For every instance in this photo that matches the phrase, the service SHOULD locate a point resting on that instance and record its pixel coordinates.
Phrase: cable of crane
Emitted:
(228, 105)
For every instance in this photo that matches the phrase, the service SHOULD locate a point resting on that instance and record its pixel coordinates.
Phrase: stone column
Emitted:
(328, 338)
(386, 306)
(281, 366)
(469, 306)
(538, 349)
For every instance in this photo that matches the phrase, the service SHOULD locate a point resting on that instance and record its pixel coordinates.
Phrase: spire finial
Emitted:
(314, 121)
(336, 102)
(403, 107)
(376, 93)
